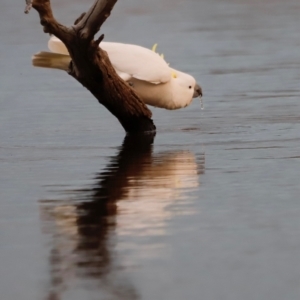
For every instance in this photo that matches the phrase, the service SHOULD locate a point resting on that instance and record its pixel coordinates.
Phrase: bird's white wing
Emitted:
(128, 61)
(139, 62)
(57, 46)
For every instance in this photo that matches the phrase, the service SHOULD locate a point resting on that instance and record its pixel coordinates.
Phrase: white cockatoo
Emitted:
(143, 69)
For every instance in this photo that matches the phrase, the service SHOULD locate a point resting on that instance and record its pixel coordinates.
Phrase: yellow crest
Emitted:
(174, 74)
(154, 47)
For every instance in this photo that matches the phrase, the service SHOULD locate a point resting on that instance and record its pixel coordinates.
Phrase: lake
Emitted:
(208, 208)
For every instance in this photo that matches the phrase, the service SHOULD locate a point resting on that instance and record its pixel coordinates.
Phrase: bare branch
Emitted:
(47, 19)
(99, 40)
(79, 18)
(28, 6)
(91, 22)
(91, 66)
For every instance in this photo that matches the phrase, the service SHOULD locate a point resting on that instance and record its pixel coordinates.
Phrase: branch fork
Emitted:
(91, 66)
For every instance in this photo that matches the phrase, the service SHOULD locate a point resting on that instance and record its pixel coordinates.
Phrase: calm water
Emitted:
(206, 209)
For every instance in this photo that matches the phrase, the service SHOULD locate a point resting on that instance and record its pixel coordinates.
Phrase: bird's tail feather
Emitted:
(51, 60)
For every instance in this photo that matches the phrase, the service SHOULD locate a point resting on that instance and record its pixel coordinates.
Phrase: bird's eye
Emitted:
(190, 87)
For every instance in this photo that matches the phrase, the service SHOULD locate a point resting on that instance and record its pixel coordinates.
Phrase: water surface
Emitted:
(206, 209)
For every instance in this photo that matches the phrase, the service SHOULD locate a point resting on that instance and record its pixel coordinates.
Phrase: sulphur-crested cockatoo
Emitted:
(145, 71)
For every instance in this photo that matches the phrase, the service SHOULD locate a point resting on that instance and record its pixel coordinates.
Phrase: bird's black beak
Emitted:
(197, 91)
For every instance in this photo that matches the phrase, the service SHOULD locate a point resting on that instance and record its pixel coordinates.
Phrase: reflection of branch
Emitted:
(82, 241)
(95, 216)
(89, 222)
(90, 65)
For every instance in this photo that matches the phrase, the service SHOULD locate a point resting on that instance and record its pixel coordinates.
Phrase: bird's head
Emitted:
(185, 88)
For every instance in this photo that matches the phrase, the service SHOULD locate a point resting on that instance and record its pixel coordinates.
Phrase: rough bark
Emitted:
(90, 64)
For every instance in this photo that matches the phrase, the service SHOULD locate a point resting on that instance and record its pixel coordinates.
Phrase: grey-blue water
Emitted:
(209, 208)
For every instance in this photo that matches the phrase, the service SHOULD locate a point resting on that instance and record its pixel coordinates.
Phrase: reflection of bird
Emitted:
(145, 71)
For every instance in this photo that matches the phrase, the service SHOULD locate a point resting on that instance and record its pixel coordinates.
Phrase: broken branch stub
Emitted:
(91, 66)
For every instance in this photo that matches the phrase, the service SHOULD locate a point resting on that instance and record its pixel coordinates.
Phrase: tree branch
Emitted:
(91, 66)
(43, 7)
(28, 6)
(91, 22)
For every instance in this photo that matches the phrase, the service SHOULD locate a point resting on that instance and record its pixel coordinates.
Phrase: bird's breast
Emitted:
(158, 95)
